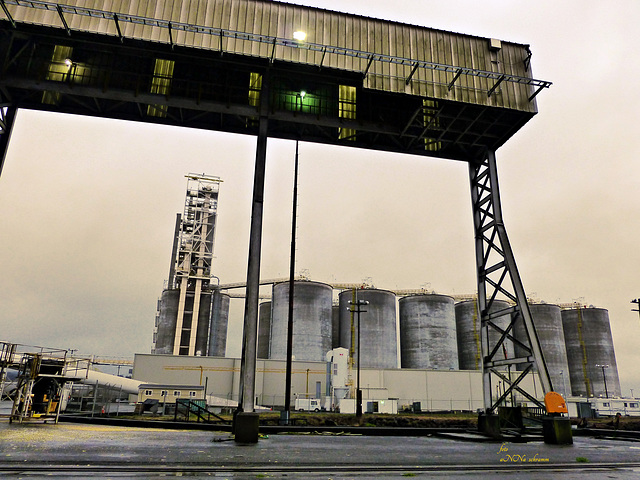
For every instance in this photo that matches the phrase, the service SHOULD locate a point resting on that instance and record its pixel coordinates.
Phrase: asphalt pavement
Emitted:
(37, 450)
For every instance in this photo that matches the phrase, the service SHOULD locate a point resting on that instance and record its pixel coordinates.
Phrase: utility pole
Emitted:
(604, 378)
(286, 413)
(355, 308)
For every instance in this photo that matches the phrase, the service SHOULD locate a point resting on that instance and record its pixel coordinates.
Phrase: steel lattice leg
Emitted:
(7, 115)
(498, 279)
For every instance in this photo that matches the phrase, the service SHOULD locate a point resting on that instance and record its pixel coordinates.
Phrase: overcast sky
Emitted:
(88, 206)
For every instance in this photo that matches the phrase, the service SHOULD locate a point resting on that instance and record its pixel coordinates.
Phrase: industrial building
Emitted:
(192, 316)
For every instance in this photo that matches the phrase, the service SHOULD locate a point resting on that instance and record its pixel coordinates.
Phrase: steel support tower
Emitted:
(190, 271)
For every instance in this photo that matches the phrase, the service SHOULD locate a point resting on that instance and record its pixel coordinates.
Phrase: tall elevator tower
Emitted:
(184, 323)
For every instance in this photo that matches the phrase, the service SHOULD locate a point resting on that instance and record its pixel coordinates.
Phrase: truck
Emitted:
(307, 404)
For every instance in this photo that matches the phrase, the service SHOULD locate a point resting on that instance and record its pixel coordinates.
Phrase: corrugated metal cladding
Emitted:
(323, 28)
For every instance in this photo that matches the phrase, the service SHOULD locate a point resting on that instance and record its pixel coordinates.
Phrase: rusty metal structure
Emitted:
(40, 375)
(273, 69)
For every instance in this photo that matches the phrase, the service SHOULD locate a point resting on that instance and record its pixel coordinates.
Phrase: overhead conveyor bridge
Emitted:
(347, 80)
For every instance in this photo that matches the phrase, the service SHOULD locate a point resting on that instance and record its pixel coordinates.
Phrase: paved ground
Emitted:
(76, 451)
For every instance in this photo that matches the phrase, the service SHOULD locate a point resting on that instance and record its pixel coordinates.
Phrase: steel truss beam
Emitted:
(498, 279)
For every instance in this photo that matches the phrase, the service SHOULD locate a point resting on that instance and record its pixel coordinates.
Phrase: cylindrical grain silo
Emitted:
(311, 321)
(592, 359)
(264, 329)
(166, 328)
(378, 334)
(469, 337)
(428, 332)
(547, 320)
(203, 324)
(335, 326)
(219, 323)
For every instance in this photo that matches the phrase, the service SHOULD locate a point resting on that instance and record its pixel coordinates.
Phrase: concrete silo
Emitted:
(469, 338)
(311, 320)
(264, 329)
(335, 326)
(378, 335)
(428, 332)
(169, 309)
(166, 322)
(547, 320)
(219, 323)
(590, 353)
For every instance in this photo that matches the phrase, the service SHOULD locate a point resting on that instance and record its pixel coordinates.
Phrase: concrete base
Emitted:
(246, 427)
(557, 431)
(285, 417)
(489, 424)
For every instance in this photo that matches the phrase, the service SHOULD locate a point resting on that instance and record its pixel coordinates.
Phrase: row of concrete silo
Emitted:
(427, 326)
(436, 333)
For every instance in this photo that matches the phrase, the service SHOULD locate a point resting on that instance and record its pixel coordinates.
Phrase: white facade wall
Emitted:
(436, 390)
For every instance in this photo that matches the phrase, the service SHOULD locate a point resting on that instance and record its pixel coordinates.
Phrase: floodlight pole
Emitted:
(356, 309)
(286, 414)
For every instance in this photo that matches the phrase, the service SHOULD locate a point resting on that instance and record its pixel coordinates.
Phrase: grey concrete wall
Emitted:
(469, 335)
(219, 324)
(264, 329)
(378, 335)
(428, 332)
(547, 319)
(167, 322)
(588, 339)
(312, 320)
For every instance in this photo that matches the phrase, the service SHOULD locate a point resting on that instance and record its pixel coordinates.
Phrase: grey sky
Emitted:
(88, 206)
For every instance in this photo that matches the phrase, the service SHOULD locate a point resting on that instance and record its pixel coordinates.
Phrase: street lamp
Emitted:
(604, 378)
(355, 308)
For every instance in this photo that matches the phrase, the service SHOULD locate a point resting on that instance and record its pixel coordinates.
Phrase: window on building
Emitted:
(192, 394)
(148, 393)
(335, 369)
(163, 393)
(255, 86)
(161, 84)
(60, 68)
(347, 110)
(176, 393)
(430, 121)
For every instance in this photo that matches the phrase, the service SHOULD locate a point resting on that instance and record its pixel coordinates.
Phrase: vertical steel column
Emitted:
(250, 330)
(495, 263)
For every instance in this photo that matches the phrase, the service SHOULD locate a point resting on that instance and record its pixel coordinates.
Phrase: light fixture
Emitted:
(68, 62)
(299, 35)
(302, 94)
